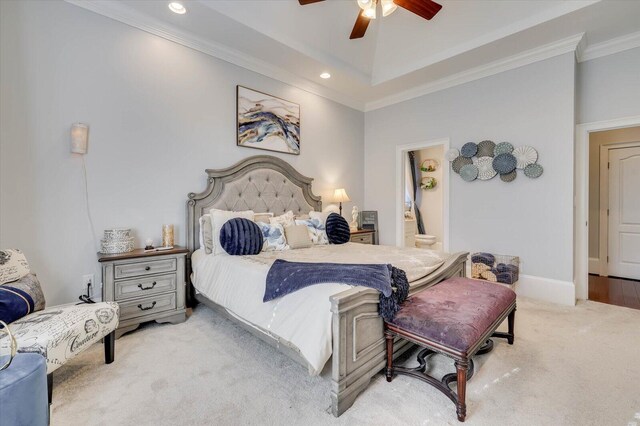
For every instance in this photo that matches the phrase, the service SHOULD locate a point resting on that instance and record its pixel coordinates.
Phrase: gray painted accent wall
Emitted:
(159, 115)
(532, 105)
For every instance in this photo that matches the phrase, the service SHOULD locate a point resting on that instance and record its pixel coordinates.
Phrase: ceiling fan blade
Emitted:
(303, 2)
(424, 8)
(360, 27)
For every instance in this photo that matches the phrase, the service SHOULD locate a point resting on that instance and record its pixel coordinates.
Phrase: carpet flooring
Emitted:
(569, 366)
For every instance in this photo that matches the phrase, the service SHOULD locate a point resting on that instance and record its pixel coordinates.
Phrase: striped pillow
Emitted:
(241, 236)
(337, 229)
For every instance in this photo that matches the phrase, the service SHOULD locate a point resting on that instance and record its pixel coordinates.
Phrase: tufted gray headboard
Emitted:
(261, 183)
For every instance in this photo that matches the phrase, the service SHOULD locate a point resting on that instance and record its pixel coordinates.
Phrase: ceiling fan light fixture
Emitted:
(364, 4)
(388, 7)
(370, 12)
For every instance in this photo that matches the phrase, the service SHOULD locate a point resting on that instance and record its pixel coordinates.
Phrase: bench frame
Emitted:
(109, 355)
(463, 362)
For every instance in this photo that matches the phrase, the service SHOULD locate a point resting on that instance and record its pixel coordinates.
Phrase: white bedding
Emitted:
(303, 318)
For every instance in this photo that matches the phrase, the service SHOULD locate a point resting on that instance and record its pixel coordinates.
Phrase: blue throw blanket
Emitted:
(286, 277)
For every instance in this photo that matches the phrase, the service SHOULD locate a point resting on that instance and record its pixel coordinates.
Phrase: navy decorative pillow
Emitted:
(20, 298)
(240, 236)
(337, 228)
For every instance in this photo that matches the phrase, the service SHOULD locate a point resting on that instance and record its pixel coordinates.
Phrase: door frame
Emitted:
(603, 226)
(401, 151)
(581, 197)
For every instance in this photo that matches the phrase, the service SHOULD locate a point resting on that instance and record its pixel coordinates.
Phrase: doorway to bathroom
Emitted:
(422, 195)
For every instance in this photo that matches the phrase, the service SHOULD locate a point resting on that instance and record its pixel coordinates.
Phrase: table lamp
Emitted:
(340, 196)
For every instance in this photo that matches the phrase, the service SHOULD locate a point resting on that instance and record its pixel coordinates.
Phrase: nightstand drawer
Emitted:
(127, 289)
(147, 306)
(362, 239)
(128, 270)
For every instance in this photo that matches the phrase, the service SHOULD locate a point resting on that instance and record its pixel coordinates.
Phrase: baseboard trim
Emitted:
(547, 289)
(540, 288)
(594, 265)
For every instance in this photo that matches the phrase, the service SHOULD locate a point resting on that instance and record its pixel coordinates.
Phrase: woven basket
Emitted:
(505, 269)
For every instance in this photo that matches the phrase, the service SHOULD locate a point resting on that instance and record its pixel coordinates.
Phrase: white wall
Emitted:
(531, 218)
(159, 114)
(609, 87)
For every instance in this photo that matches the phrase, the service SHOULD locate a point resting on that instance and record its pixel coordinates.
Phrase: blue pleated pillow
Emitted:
(20, 298)
(337, 228)
(240, 236)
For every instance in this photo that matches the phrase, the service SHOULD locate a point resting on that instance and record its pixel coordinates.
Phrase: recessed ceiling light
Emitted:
(325, 75)
(177, 8)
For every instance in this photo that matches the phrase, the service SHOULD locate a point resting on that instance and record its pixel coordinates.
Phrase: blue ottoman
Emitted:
(23, 391)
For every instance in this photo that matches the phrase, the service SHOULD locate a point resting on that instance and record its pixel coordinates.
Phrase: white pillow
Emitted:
(13, 265)
(218, 219)
(284, 219)
(206, 234)
(321, 216)
(316, 230)
(273, 237)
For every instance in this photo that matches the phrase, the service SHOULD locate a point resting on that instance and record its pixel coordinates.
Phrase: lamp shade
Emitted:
(340, 196)
(79, 138)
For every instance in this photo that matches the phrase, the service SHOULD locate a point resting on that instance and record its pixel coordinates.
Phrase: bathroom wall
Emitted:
(430, 200)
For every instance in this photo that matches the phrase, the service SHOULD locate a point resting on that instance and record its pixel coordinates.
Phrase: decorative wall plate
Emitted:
(509, 177)
(429, 165)
(503, 148)
(485, 149)
(452, 154)
(428, 182)
(469, 149)
(504, 163)
(525, 155)
(533, 170)
(485, 168)
(469, 172)
(459, 162)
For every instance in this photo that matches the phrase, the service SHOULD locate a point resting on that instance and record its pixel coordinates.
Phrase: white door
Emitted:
(624, 212)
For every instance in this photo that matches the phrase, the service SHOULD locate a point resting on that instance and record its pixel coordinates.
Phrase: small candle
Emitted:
(167, 235)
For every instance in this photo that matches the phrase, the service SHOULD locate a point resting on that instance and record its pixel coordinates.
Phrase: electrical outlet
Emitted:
(86, 280)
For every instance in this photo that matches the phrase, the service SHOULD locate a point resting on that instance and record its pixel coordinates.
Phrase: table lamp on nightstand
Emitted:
(340, 196)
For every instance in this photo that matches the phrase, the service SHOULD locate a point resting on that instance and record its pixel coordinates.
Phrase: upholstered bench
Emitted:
(58, 333)
(61, 332)
(456, 318)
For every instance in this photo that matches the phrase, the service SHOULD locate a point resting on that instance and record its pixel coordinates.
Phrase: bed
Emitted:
(333, 324)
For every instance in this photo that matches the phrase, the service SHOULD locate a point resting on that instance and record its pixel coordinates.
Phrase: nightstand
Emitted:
(363, 236)
(147, 286)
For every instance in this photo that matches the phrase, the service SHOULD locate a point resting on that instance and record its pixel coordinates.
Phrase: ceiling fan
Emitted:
(427, 9)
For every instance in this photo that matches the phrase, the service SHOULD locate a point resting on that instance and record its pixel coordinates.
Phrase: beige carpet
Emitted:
(569, 366)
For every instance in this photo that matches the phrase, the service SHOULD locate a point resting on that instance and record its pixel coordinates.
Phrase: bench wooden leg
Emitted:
(512, 321)
(109, 347)
(461, 382)
(50, 387)
(389, 371)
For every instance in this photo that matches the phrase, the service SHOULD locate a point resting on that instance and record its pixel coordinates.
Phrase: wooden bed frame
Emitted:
(359, 350)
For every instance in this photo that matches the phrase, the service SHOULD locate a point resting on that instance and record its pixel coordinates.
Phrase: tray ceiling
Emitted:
(399, 52)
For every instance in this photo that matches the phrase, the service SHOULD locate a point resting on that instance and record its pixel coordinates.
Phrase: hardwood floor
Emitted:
(614, 291)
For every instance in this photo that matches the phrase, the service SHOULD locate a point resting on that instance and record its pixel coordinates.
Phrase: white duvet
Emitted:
(303, 318)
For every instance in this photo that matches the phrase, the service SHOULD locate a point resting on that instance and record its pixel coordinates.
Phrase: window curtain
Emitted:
(416, 178)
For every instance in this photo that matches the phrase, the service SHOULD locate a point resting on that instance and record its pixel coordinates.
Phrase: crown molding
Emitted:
(560, 47)
(609, 47)
(121, 13)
